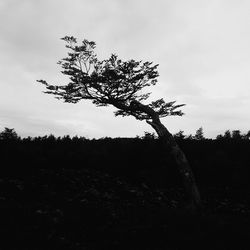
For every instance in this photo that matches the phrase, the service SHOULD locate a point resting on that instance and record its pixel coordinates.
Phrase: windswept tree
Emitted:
(120, 84)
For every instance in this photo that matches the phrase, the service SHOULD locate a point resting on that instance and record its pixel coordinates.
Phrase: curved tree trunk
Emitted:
(170, 145)
(184, 169)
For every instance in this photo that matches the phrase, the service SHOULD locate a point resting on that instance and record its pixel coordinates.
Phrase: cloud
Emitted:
(202, 48)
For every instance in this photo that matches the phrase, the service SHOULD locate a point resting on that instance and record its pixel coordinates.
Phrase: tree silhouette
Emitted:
(247, 135)
(219, 137)
(227, 135)
(236, 135)
(199, 135)
(179, 135)
(119, 83)
(9, 134)
(148, 136)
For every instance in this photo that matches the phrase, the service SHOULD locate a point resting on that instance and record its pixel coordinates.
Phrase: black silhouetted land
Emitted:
(76, 193)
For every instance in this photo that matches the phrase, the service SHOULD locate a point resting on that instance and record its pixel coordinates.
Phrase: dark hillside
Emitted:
(214, 162)
(63, 193)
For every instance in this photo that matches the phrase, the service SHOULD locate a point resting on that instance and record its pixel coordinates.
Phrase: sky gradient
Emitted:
(202, 48)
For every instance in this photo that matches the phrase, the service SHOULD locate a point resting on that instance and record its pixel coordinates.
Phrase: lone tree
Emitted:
(119, 83)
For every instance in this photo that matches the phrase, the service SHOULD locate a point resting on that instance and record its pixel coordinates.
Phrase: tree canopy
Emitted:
(9, 134)
(109, 82)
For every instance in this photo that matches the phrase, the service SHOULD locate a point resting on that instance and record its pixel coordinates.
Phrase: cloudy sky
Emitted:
(202, 48)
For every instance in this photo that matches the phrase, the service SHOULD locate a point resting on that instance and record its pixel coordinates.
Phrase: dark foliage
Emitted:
(109, 82)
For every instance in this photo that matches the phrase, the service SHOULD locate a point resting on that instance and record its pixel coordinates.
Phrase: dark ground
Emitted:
(82, 209)
(118, 194)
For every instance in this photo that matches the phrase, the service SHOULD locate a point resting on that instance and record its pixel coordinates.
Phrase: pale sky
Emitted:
(202, 48)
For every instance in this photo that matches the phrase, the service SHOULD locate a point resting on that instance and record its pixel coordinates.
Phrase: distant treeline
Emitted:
(224, 161)
(10, 134)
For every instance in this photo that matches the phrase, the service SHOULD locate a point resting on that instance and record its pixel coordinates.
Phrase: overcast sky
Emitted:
(202, 48)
